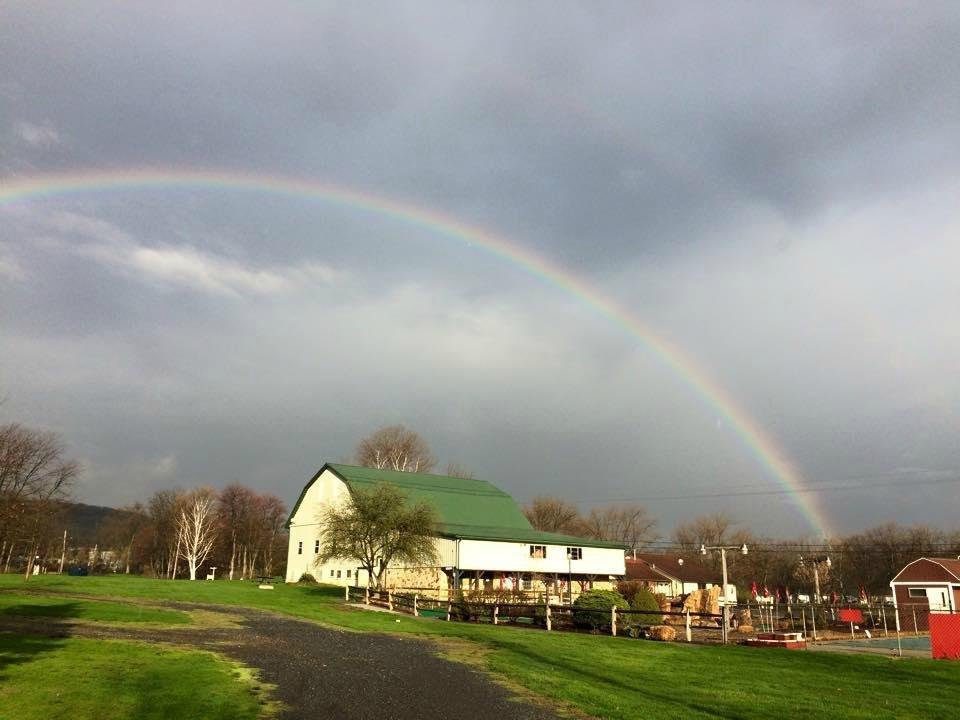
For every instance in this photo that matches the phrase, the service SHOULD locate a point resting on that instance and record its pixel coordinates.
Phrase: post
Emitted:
(724, 609)
(416, 611)
(883, 611)
(389, 600)
(449, 608)
(915, 631)
(816, 581)
(689, 633)
(813, 621)
(63, 553)
(852, 636)
(569, 577)
(613, 621)
(346, 593)
(366, 595)
(803, 616)
(548, 616)
(496, 612)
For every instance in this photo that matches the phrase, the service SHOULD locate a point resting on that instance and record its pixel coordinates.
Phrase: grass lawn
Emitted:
(78, 679)
(602, 676)
(51, 606)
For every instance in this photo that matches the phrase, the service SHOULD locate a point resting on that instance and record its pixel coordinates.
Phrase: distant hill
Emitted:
(82, 521)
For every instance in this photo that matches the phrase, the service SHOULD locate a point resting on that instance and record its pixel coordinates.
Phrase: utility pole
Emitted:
(63, 553)
(816, 562)
(723, 561)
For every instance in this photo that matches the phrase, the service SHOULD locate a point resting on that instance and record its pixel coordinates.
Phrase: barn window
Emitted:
(575, 553)
(338, 573)
(348, 573)
(316, 546)
(917, 592)
(538, 551)
(331, 573)
(300, 548)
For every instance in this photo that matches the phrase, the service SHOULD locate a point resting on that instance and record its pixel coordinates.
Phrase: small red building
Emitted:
(927, 585)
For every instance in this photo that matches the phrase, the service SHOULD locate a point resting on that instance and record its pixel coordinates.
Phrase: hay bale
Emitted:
(745, 629)
(664, 633)
(703, 601)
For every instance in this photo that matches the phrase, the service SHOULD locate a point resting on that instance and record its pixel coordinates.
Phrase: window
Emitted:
(300, 548)
(331, 573)
(575, 553)
(348, 573)
(538, 551)
(917, 592)
(338, 573)
(316, 547)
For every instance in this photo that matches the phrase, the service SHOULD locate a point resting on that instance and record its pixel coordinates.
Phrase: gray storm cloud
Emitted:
(772, 190)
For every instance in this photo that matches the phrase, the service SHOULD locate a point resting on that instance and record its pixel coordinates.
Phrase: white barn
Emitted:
(483, 540)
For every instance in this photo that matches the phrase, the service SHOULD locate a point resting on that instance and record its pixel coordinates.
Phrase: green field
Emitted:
(23, 605)
(603, 676)
(76, 679)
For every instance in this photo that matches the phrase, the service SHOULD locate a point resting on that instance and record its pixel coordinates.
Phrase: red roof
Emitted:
(660, 566)
(930, 570)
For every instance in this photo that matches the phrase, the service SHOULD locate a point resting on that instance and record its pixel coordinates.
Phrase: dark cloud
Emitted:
(769, 190)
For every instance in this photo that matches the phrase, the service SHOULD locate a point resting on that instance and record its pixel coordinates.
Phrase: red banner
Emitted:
(851, 615)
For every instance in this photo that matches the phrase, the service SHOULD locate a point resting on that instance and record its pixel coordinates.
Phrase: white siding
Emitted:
(515, 557)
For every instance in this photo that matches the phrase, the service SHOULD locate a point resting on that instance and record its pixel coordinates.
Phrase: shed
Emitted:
(926, 585)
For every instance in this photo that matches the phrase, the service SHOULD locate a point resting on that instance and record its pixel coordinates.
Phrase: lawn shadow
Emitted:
(23, 637)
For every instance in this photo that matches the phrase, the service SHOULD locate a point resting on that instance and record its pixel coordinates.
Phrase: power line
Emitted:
(771, 491)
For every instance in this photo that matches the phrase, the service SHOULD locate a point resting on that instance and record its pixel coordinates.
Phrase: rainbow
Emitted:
(31, 188)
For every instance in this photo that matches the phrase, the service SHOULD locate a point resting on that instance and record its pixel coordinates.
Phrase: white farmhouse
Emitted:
(483, 540)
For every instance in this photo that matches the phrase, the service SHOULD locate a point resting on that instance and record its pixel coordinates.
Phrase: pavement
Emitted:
(322, 672)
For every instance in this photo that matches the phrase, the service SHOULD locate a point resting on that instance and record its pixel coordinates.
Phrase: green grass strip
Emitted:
(79, 679)
(22, 605)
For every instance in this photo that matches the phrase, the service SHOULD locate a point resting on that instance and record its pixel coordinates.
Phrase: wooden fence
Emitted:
(547, 615)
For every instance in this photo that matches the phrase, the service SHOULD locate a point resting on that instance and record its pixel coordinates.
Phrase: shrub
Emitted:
(588, 609)
(308, 578)
(643, 599)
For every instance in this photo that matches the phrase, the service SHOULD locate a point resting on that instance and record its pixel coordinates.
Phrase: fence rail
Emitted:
(551, 616)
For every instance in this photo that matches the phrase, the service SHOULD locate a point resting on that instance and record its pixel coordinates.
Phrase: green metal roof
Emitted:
(466, 508)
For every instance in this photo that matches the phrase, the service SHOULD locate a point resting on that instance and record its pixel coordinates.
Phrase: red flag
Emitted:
(786, 591)
(753, 588)
(863, 594)
(766, 591)
(778, 595)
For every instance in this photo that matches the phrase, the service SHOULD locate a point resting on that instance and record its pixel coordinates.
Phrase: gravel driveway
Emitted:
(324, 673)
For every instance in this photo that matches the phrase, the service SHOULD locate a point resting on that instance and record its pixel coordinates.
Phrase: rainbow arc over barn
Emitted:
(53, 185)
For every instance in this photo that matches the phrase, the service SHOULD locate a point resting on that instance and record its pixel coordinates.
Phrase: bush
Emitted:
(308, 578)
(588, 608)
(645, 600)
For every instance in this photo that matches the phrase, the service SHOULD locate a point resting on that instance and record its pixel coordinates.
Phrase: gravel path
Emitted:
(324, 673)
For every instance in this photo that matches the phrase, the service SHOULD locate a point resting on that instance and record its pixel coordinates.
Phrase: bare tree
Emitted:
(395, 448)
(234, 508)
(376, 527)
(458, 471)
(713, 529)
(551, 514)
(34, 476)
(630, 524)
(196, 528)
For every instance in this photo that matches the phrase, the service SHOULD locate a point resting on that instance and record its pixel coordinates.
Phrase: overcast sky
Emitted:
(772, 191)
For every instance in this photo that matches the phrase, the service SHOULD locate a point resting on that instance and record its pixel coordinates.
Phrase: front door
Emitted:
(937, 597)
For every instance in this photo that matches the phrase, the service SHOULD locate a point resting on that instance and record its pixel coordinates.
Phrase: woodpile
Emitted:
(664, 633)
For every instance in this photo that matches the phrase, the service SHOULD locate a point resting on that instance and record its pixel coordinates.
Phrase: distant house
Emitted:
(483, 540)
(672, 575)
(924, 586)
